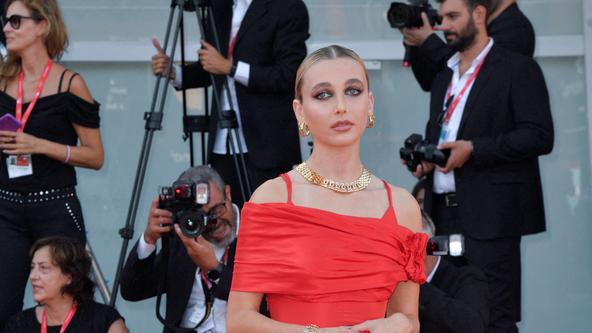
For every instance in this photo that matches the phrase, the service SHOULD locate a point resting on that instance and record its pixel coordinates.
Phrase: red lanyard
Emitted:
(19, 98)
(66, 321)
(452, 106)
(231, 46)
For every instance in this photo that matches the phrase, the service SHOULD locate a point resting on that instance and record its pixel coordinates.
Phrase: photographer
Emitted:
(490, 108)
(194, 264)
(261, 45)
(454, 299)
(506, 24)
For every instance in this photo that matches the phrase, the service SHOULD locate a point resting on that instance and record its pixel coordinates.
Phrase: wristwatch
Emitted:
(215, 273)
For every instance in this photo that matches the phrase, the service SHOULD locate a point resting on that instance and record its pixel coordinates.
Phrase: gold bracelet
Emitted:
(312, 328)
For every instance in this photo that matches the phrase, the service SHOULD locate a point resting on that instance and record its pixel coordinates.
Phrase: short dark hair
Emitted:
(70, 256)
(472, 4)
(203, 173)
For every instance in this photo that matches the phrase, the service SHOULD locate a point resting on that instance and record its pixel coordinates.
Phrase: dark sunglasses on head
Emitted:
(15, 20)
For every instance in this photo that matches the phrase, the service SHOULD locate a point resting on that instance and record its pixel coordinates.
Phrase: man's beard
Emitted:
(226, 241)
(464, 39)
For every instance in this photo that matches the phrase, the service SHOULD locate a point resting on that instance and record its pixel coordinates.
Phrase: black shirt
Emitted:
(51, 119)
(89, 318)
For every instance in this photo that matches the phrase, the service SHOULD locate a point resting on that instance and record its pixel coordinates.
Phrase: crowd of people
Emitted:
(322, 245)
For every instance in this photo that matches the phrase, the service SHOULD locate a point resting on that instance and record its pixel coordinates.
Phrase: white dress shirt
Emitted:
(195, 310)
(444, 182)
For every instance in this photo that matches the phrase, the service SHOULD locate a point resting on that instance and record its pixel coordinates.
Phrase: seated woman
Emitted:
(61, 285)
(331, 246)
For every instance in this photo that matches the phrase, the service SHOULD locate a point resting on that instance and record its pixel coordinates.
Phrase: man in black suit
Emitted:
(507, 25)
(490, 107)
(262, 45)
(194, 264)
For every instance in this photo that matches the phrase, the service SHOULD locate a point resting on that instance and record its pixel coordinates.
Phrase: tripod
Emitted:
(153, 118)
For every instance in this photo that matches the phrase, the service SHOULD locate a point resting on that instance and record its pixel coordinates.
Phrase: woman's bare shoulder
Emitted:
(406, 208)
(273, 190)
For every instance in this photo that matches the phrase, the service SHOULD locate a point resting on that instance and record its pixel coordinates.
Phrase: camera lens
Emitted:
(191, 223)
(398, 15)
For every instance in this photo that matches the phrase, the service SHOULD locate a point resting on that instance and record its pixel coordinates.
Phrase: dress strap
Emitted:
(288, 182)
(389, 194)
(61, 79)
(71, 78)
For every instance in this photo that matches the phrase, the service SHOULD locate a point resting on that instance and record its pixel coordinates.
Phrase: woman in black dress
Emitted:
(61, 286)
(59, 129)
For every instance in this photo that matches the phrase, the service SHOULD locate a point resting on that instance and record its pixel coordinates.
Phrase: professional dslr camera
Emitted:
(416, 149)
(401, 15)
(185, 199)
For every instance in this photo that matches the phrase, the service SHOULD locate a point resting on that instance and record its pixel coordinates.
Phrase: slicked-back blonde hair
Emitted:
(56, 36)
(325, 53)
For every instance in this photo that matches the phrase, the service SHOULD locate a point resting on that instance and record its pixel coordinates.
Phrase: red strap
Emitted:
(19, 98)
(458, 98)
(231, 46)
(288, 182)
(388, 193)
(67, 321)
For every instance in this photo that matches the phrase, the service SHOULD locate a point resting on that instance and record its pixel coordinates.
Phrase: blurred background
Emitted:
(110, 46)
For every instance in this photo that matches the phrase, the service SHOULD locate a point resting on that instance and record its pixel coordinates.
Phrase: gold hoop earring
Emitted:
(303, 129)
(371, 121)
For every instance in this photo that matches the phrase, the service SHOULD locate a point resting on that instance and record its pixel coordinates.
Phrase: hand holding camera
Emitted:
(159, 222)
(200, 250)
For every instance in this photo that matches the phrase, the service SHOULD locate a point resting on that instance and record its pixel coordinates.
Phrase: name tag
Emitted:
(19, 165)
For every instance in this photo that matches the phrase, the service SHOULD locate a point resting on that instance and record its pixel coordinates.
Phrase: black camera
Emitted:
(416, 149)
(185, 199)
(401, 15)
(451, 245)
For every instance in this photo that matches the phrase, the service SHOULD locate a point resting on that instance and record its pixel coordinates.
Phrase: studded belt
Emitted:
(37, 196)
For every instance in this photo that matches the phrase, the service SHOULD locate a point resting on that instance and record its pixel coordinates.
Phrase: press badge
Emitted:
(19, 165)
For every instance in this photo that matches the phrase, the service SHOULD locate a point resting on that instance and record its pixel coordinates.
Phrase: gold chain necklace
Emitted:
(357, 185)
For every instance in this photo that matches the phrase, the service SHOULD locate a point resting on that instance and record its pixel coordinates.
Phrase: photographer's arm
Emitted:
(139, 278)
(427, 53)
(532, 134)
(464, 312)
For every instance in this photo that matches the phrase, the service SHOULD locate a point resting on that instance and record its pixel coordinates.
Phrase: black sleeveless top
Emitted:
(51, 119)
(89, 318)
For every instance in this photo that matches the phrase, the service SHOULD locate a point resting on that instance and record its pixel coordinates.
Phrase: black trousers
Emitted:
(21, 224)
(500, 260)
(224, 165)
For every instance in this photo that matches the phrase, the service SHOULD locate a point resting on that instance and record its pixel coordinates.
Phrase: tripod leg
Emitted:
(98, 275)
(151, 126)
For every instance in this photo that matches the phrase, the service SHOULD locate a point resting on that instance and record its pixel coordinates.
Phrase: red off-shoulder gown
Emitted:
(323, 268)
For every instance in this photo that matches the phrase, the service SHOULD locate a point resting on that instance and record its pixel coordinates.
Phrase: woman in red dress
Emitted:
(332, 247)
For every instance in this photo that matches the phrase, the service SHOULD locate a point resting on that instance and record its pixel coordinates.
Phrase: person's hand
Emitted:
(159, 222)
(397, 323)
(160, 61)
(18, 143)
(460, 152)
(416, 36)
(199, 250)
(422, 169)
(212, 61)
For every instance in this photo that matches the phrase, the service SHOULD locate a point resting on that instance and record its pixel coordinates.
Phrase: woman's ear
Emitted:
(370, 103)
(297, 106)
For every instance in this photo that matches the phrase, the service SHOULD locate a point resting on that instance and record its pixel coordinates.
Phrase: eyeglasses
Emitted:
(217, 210)
(15, 20)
